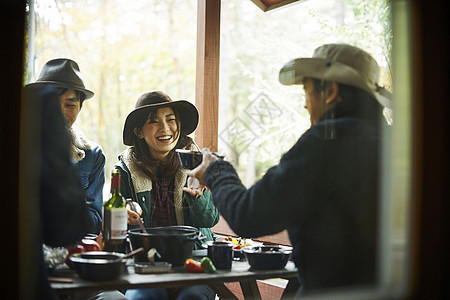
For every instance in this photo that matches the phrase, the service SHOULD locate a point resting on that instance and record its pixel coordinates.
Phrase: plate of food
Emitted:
(240, 243)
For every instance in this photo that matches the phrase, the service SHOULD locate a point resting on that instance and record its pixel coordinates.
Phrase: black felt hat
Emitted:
(154, 100)
(63, 73)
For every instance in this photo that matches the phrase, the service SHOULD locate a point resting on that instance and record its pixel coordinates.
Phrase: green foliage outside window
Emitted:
(127, 47)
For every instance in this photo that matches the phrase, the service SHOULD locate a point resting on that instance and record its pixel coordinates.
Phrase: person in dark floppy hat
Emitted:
(60, 84)
(62, 215)
(325, 190)
(153, 178)
(63, 74)
(62, 77)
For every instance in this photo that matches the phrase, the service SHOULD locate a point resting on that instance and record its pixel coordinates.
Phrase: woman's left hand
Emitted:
(194, 187)
(133, 215)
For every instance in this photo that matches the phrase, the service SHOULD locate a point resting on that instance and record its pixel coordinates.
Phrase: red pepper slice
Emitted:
(193, 266)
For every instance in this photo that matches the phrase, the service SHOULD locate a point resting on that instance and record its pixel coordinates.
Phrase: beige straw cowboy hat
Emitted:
(62, 73)
(341, 63)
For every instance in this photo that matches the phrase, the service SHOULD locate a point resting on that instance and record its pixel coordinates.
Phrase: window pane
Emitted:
(123, 48)
(260, 118)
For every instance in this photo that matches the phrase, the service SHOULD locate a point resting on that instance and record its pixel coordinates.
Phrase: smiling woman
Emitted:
(152, 175)
(160, 132)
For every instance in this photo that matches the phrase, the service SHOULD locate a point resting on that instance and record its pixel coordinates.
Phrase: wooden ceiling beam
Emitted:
(266, 5)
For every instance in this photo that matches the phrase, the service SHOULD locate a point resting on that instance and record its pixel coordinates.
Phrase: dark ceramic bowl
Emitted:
(238, 254)
(98, 265)
(267, 257)
(173, 243)
(189, 159)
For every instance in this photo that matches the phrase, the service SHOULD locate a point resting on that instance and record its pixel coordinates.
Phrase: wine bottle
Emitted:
(115, 217)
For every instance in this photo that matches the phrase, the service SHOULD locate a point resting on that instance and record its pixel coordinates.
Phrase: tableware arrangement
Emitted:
(267, 257)
(221, 254)
(173, 243)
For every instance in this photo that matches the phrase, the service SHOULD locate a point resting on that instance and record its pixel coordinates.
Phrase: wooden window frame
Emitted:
(207, 94)
(430, 228)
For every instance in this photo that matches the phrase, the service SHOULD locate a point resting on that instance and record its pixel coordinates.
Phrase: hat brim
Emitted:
(295, 71)
(189, 118)
(88, 94)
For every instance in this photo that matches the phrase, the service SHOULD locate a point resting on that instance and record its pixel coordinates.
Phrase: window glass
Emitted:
(127, 47)
(123, 48)
(259, 118)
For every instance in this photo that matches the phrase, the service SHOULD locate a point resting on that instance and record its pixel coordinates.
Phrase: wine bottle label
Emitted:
(118, 223)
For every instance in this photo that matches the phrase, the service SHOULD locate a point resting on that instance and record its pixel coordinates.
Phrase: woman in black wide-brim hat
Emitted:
(152, 176)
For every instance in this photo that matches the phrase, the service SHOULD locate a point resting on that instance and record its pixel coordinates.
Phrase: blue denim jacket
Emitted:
(92, 173)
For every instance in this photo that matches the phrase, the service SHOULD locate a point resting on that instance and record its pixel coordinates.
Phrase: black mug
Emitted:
(221, 254)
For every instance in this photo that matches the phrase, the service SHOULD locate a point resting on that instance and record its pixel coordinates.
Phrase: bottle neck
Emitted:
(115, 183)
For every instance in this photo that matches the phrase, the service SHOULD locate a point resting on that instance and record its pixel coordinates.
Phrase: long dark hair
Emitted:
(144, 159)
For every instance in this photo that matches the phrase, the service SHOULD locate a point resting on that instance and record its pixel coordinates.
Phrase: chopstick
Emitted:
(139, 219)
(60, 279)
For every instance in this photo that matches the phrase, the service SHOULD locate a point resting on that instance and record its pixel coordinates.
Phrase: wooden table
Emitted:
(240, 272)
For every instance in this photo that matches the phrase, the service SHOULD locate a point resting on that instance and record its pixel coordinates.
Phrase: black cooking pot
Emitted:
(98, 265)
(173, 243)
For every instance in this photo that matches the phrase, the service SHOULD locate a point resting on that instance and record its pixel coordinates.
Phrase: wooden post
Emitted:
(17, 249)
(207, 77)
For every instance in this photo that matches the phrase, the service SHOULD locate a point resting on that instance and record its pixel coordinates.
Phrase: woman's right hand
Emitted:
(132, 215)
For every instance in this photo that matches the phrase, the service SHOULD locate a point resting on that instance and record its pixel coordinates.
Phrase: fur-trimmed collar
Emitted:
(141, 183)
(79, 143)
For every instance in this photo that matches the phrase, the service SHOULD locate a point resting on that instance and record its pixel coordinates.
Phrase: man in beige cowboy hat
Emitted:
(325, 189)
(63, 76)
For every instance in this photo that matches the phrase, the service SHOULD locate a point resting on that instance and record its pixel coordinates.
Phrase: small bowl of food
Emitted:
(267, 257)
(237, 252)
(98, 265)
(189, 159)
